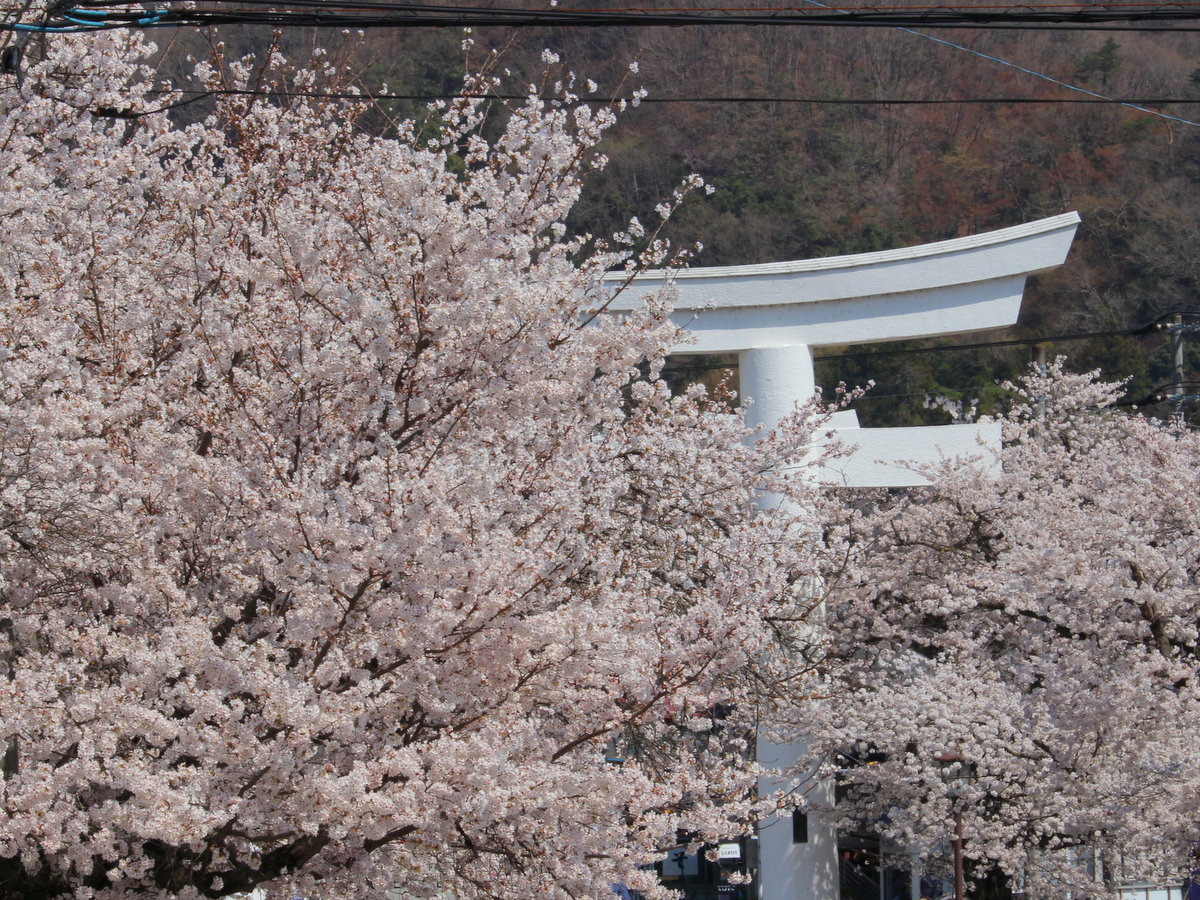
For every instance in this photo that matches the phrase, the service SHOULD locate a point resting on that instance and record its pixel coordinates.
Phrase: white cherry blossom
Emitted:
(345, 540)
(1042, 626)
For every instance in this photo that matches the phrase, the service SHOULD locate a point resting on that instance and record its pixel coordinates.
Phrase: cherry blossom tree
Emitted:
(1019, 653)
(346, 541)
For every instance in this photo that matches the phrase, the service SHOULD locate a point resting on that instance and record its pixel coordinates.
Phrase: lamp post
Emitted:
(953, 777)
(959, 888)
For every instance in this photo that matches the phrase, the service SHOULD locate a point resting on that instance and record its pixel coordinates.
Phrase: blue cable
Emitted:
(48, 29)
(102, 14)
(90, 20)
(89, 26)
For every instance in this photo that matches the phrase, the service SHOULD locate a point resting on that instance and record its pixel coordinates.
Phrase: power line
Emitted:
(1139, 107)
(980, 345)
(1143, 108)
(950, 348)
(1173, 392)
(1169, 393)
(92, 15)
(189, 96)
(193, 95)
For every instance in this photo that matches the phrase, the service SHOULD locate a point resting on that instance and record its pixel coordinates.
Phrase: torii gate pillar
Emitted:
(772, 316)
(775, 377)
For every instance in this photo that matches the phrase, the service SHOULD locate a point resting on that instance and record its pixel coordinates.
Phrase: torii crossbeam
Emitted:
(773, 315)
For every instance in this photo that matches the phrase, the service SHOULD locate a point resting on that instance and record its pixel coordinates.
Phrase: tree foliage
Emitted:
(1035, 635)
(345, 542)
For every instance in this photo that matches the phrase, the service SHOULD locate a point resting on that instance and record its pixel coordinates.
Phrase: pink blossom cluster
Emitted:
(346, 542)
(1021, 652)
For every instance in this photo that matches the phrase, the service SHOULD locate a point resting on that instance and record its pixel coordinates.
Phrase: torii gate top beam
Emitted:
(964, 284)
(773, 315)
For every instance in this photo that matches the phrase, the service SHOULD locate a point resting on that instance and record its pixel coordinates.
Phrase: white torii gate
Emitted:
(772, 315)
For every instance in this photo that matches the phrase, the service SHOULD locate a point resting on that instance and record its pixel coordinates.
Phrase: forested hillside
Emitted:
(810, 160)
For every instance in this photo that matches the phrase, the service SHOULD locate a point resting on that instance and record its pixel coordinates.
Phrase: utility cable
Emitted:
(1027, 71)
(93, 15)
(193, 95)
(1156, 326)
(981, 345)
(1053, 80)
(1170, 392)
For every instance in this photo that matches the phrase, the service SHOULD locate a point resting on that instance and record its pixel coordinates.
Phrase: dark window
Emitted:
(799, 828)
